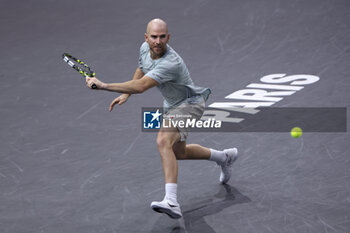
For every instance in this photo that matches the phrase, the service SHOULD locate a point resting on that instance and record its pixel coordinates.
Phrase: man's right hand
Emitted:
(119, 100)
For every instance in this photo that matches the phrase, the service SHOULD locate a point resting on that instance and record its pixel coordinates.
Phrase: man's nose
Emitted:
(158, 40)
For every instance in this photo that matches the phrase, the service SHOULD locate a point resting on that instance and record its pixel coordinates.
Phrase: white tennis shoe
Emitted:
(226, 167)
(167, 207)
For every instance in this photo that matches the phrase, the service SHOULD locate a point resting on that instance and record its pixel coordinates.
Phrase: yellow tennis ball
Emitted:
(296, 132)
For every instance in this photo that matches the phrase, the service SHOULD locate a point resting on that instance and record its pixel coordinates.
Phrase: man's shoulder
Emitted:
(172, 58)
(170, 61)
(144, 47)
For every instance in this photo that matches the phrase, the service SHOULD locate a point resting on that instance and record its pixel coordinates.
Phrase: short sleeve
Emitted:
(143, 50)
(164, 72)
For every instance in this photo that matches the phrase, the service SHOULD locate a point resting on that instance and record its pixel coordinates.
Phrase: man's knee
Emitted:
(164, 142)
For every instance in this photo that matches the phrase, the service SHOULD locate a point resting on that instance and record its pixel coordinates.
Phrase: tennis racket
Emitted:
(79, 66)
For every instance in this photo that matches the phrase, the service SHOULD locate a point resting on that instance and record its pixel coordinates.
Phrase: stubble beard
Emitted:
(160, 53)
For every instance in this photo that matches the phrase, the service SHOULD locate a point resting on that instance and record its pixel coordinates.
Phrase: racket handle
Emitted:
(93, 86)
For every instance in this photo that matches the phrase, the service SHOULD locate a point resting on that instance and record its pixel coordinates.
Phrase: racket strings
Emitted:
(78, 65)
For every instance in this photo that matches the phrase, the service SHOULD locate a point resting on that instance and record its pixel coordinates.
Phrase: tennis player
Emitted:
(160, 66)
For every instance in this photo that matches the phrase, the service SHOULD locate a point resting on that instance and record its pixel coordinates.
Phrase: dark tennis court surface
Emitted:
(67, 165)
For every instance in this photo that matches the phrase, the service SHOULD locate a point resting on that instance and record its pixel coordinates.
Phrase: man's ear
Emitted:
(146, 37)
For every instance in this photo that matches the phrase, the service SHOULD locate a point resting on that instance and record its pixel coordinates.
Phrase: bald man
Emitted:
(160, 66)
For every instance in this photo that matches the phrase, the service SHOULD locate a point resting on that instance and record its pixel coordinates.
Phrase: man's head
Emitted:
(157, 37)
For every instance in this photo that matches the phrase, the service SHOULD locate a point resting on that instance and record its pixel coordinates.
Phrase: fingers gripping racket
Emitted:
(79, 66)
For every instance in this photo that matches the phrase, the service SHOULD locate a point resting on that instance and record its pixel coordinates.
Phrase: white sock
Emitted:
(171, 192)
(217, 156)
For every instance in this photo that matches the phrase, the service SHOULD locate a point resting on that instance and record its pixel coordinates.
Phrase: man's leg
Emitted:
(171, 149)
(165, 140)
(196, 151)
(191, 151)
(224, 158)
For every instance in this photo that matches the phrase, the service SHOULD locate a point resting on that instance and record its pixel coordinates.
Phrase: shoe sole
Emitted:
(166, 211)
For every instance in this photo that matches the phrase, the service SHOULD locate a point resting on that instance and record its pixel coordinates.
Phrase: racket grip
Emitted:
(93, 86)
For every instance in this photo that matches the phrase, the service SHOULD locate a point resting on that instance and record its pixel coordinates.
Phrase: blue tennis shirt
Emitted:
(171, 74)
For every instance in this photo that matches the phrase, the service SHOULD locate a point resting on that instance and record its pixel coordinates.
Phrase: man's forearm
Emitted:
(129, 87)
(138, 84)
(137, 75)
